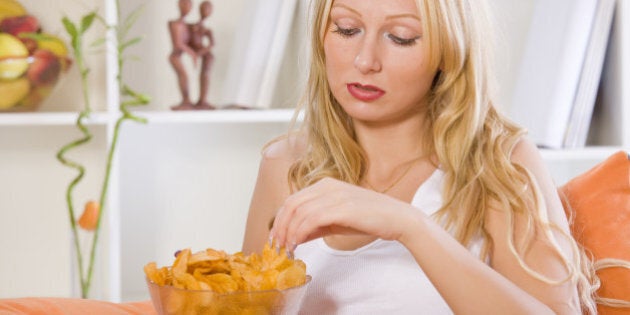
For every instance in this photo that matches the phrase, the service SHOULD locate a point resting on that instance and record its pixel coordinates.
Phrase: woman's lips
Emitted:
(366, 93)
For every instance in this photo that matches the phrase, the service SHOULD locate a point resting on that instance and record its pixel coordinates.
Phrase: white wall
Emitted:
(35, 241)
(512, 18)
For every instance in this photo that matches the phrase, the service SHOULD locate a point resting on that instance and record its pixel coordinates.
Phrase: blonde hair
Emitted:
(470, 138)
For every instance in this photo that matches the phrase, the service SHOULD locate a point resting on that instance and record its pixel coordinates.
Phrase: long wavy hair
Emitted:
(470, 138)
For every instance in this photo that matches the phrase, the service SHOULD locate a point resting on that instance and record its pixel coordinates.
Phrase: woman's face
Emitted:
(375, 59)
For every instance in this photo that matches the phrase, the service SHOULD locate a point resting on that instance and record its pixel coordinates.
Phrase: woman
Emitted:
(405, 191)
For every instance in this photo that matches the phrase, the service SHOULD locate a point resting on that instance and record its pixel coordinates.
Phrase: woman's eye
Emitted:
(345, 32)
(403, 41)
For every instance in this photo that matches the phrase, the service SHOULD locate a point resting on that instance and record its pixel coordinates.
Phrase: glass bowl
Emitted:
(170, 300)
(25, 82)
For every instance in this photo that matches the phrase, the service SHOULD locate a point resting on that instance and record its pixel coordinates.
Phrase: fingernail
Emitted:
(277, 248)
(292, 248)
(270, 239)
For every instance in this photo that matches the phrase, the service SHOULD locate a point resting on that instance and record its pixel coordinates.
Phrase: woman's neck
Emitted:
(389, 145)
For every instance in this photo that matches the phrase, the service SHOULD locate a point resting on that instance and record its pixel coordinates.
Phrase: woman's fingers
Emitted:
(285, 214)
(320, 210)
(312, 219)
(334, 207)
(319, 224)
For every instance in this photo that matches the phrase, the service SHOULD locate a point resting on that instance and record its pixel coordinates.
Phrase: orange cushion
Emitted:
(600, 204)
(67, 306)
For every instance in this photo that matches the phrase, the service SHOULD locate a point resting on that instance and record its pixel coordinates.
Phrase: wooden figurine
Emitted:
(195, 40)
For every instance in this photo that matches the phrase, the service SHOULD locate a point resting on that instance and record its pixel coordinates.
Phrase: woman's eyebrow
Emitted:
(389, 17)
(403, 15)
(341, 5)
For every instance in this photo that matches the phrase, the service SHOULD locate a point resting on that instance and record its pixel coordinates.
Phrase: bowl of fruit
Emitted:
(31, 61)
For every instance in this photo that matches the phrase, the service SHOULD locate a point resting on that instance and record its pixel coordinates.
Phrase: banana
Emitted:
(13, 92)
(52, 43)
(9, 8)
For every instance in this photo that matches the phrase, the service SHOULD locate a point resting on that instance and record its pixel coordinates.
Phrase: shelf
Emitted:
(164, 117)
(588, 153)
(48, 119)
(219, 116)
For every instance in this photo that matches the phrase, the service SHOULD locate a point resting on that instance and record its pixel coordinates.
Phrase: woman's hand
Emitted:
(331, 206)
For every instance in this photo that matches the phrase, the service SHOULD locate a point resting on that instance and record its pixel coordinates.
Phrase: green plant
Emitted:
(128, 98)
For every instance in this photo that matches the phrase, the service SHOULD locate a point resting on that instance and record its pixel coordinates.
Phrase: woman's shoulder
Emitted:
(525, 153)
(287, 148)
(280, 154)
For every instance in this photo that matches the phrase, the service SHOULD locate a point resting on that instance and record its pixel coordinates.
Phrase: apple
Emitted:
(13, 53)
(44, 69)
(31, 44)
(51, 43)
(13, 92)
(19, 24)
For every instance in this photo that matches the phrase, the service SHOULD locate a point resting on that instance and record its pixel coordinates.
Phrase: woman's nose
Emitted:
(367, 59)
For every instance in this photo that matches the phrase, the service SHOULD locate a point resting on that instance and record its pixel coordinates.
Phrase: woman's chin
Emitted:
(364, 112)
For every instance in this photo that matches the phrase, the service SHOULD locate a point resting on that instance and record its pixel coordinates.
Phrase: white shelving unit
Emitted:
(182, 180)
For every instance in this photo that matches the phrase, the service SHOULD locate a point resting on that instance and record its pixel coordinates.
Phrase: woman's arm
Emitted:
(506, 288)
(542, 258)
(271, 190)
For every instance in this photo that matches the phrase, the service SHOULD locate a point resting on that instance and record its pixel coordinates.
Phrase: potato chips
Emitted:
(213, 282)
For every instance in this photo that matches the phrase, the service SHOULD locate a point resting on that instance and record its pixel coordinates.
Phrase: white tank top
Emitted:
(381, 277)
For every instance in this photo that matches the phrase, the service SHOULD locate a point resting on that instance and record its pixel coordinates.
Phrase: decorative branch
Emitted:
(76, 43)
(129, 98)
